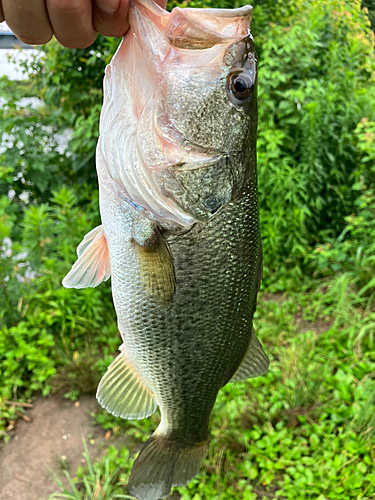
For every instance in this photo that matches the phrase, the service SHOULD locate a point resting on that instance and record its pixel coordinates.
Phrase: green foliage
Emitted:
(370, 6)
(24, 358)
(49, 236)
(8, 415)
(353, 252)
(32, 161)
(305, 430)
(68, 87)
(71, 82)
(45, 328)
(103, 480)
(315, 85)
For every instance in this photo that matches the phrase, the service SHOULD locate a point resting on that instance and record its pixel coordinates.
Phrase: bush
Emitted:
(370, 5)
(44, 328)
(315, 86)
(353, 251)
(25, 358)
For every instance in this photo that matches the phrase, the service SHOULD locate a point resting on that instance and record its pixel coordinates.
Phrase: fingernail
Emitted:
(108, 6)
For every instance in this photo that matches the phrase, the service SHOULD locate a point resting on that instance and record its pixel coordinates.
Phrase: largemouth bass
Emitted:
(180, 237)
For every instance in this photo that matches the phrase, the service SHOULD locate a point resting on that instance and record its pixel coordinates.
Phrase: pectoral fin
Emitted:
(156, 268)
(92, 266)
(254, 363)
(122, 393)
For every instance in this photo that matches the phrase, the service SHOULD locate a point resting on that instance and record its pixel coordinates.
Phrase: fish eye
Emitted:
(241, 86)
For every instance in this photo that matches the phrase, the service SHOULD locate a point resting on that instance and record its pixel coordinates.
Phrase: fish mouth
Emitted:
(188, 28)
(244, 11)
(204, 28)
(156, 10)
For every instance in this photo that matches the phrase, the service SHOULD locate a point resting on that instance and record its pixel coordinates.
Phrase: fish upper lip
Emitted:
(244, 11)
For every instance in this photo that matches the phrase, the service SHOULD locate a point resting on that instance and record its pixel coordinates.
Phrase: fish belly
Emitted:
(187, 349)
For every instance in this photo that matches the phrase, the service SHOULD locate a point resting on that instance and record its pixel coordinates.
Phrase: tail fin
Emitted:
(163, 463)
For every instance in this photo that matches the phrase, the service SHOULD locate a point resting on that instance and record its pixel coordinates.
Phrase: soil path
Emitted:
(36, 448)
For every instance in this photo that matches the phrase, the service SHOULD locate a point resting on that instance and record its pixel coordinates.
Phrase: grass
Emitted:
(306, 430)
(103, 480)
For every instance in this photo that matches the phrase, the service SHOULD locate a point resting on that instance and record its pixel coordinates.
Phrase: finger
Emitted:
(72, 22)
(111, 17)
(2, 18)
(28, 19)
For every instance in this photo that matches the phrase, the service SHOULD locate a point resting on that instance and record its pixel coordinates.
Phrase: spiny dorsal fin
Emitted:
(92, 266)
(254, 363)
(156, 268)
(122, 393)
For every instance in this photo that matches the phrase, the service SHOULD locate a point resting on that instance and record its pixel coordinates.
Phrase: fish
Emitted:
(180, 233)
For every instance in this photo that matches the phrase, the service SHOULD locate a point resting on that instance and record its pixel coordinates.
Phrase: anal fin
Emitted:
(254, 363)
(122, 393)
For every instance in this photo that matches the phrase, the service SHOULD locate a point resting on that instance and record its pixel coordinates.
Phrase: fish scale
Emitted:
(195, 349)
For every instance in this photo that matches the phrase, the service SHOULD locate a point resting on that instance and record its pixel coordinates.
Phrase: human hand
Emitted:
(75, 23)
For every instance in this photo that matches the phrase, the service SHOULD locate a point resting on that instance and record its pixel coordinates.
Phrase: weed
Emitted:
(104, 480)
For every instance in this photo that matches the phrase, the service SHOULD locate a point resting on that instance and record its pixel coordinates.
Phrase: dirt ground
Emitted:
(53, 435)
